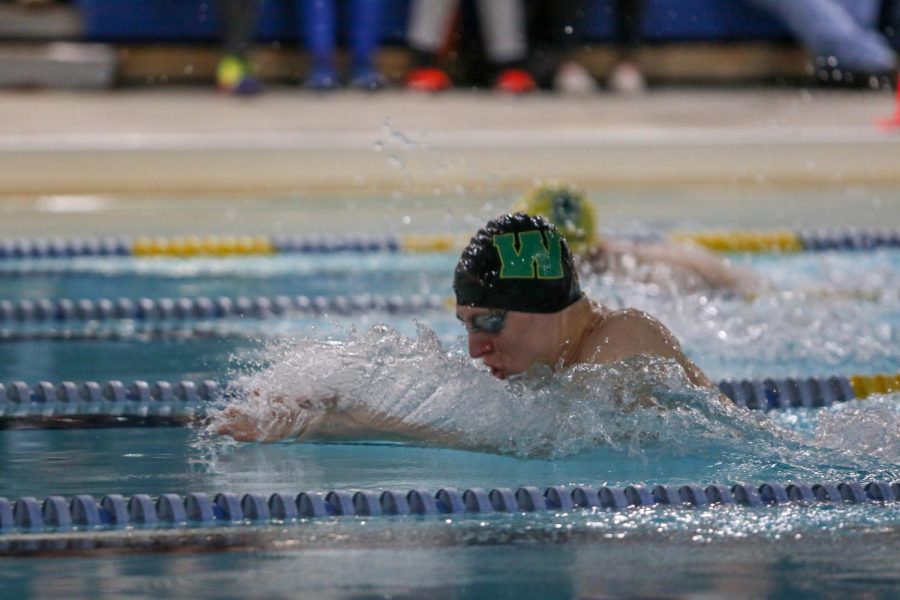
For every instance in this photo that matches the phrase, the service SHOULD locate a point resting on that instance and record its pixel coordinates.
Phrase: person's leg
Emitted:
(503, 24)
(429, 25)
(889, 22)
(836, 39)
(234, 73)
(626, 77)
(567, 37)
(319, 30)
(628, 25)
(365, 32)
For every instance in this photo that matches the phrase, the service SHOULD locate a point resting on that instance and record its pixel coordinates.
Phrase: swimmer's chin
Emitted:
(499, 373)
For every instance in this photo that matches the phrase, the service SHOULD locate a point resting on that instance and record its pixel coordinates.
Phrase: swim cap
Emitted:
(565, 207)
(517, 262)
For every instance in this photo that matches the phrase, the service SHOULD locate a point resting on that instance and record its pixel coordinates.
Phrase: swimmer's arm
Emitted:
(362, 423)
(715, 272)
(303, 420)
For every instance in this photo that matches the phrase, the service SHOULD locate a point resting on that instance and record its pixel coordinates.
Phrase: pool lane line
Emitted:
(98, 421)
(140, 334)
(90, 404)
(811, 392)
(775, 241)
(29, 525)
(186, 311)
(203, 308)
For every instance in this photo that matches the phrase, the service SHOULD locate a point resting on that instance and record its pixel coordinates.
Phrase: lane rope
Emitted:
(204, 308)
(30, 516)
(102, 319)
(141, 334)
(247, 245)
(70, 404)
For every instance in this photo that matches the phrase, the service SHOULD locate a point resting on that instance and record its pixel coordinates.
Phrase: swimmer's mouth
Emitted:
(498, 372)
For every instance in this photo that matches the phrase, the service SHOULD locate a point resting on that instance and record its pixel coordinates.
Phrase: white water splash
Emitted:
(629, 405)
(870, 426)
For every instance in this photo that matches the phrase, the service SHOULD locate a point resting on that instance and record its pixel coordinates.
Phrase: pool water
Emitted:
(828, 313)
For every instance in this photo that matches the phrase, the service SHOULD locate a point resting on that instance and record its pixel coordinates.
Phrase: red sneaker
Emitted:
(515, 81)
(428, 79)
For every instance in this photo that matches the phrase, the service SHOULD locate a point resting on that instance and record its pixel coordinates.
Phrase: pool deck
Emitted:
(171, 140)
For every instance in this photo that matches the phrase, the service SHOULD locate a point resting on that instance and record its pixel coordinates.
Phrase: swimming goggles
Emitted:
(489, 322)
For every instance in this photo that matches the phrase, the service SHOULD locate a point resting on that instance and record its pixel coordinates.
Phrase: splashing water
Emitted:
(642, 406)
(825, 315)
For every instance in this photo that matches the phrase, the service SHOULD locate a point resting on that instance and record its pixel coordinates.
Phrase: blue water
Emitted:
(829, 313)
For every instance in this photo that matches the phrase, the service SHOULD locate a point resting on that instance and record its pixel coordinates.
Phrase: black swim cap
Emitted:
(517, 262)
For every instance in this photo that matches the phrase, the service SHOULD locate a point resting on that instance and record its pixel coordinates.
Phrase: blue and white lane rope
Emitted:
(83, 512)
(142, 333)
(203, 308)
(189, 246)
(113, 403)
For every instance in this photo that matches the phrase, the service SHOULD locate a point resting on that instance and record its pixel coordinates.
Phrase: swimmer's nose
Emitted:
(479, 345)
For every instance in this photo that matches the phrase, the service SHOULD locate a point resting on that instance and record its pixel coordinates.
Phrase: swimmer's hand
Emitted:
(270, 418)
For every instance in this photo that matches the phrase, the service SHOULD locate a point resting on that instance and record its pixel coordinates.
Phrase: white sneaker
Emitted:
(572, 78)
(627, 79)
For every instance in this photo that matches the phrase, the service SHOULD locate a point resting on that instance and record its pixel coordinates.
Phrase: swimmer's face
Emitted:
(521, 341)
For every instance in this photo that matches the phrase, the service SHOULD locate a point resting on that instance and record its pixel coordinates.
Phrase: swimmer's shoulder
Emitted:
(633, 331)
(630, 317)
(629, 332)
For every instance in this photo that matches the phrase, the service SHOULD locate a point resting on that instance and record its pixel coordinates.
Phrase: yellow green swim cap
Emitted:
(565, 207)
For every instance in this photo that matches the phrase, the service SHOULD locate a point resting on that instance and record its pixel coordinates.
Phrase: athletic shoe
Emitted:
(572, 78)
(322, 79)
(234, 76)
(627, 79)
(515, 81)
(367, 79)
(428, 79)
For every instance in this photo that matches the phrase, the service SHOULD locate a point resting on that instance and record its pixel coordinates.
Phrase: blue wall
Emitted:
(198, 20)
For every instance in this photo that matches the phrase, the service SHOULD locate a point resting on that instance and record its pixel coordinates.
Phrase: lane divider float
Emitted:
(82, 512)
(68, 404)
(810, 392)
(143, 333)
(247, 245)
(205, 308)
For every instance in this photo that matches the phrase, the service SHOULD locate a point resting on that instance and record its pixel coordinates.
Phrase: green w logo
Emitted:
(533, 259)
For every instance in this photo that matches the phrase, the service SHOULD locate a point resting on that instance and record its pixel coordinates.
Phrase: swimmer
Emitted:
(519, 298)
(518, 295)
(679, 267)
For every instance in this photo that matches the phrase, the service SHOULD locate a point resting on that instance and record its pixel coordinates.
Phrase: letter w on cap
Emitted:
(533, 259)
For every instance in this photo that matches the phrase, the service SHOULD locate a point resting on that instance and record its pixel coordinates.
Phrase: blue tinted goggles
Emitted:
(489, 322)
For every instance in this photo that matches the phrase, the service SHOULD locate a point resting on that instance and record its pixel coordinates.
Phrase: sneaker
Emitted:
(515, 81)
(428, 79)
(322, 79)
(234, 76)
(572, 78)
(367, 79)
(627, 79)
